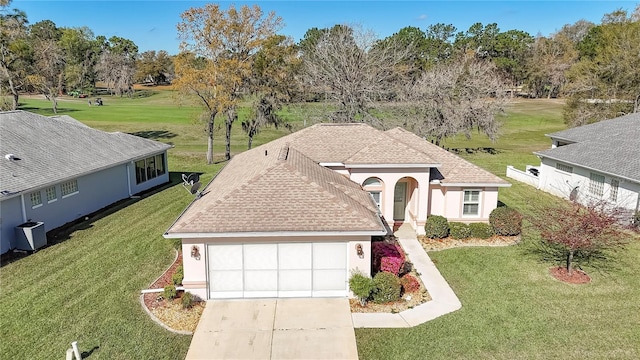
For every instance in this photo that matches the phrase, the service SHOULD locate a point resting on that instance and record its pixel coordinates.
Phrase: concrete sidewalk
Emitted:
(443, 299)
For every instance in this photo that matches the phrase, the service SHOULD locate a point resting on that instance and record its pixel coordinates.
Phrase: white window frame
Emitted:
(596, 184)
(564, 168)
(55, 194)
(479, 203)
(36, 199)
(73, 188)
(613, 191)
(377, 187)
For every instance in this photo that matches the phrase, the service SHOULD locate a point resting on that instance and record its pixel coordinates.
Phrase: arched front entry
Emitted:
(405, 201)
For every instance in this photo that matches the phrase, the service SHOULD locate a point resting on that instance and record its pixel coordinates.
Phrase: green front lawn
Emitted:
(86, 288)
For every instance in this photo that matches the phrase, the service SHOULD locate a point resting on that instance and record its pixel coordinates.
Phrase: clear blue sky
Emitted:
(152, 24)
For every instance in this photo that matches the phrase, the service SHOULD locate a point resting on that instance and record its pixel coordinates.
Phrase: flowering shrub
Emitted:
(387, 257)
(409, 283)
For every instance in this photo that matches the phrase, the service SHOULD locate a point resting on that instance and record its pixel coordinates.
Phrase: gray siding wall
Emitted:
(95, 191)
(10, 217)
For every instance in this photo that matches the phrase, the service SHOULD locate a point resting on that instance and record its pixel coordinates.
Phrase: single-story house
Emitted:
(54, 170)
(294, 216)
(595, 162)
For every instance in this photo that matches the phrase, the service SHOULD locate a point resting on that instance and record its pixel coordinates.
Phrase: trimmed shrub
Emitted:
(187, 300)
(481, 230)
(361, 285)
(409, 283)
(459, 230)
(506, 221)
(170, 292)
(387, 257)
(387, 287)
(178, 276)
(437, 227)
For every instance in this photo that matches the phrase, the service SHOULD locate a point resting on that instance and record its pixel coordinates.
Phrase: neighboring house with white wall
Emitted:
(54, 170)
(595, 162)
(294, 216)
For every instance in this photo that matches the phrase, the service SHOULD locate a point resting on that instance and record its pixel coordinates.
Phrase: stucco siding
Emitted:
(561, 183)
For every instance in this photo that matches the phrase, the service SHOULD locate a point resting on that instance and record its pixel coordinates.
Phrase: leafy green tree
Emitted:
(605, 83)
(116, 66)
(154, 67)
(228, 40)
(81, 54)
(15, 53)
(272, 83)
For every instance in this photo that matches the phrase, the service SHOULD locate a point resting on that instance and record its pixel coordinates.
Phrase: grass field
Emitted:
(86, 288)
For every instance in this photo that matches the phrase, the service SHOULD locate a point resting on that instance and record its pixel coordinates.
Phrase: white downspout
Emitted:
(129, 177)
(24, 209)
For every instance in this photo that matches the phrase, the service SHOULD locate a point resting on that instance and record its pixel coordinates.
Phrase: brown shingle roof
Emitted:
(279, 186)
(454, 169)
(293, 194)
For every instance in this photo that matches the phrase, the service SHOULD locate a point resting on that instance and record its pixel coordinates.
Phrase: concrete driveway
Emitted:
(275, 329)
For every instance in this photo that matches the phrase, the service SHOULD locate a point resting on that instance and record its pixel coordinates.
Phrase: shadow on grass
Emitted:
(64, 232)
(86, 354)
(46, 111)
(154, 134)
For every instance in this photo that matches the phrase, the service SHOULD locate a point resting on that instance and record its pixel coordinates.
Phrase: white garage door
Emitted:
(277, 270)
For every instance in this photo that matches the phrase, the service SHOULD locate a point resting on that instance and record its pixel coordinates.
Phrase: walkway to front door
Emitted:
(318, 328)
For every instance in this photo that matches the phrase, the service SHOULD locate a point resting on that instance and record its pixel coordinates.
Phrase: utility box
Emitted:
(30, 236)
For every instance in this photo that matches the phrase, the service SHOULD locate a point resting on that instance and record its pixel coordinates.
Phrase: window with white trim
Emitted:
(69, 188)
(149, 168)
(52, 194)
(374, 187)
(36, 199)
(596, 184)
(471, 203)
(613, 194)
(563, 167)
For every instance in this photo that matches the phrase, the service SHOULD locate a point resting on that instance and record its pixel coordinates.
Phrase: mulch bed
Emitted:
(576, 277)
(449, 242)
(170, 312)
(407, 301)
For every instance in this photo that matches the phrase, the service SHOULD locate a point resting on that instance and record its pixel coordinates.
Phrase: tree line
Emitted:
(438, 81)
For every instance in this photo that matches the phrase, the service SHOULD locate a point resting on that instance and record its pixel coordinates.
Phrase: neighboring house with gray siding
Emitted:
(595, 162)
(55, 170)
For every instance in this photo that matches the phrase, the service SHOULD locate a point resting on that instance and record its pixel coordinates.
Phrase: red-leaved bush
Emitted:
(409, 283)
(387, 257)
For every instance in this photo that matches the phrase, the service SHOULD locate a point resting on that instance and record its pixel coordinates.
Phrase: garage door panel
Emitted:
(294, 256)
(329, 256)
(329, 280)
(225, 257)
(261, 256)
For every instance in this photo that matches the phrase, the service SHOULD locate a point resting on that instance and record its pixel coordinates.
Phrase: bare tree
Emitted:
(116, 66)
(48, 76)
(351, 68)
(457, 97)
(577, 228)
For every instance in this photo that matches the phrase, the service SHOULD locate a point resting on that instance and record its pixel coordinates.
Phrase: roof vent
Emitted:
(12, 157)
(284, 152)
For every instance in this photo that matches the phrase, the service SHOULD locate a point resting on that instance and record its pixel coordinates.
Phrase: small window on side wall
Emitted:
(471, 203)
(36, 199)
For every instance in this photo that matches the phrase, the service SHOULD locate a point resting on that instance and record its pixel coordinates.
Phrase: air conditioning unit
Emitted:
(30, 236)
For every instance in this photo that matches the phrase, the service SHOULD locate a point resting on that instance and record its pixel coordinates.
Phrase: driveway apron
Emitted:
(318, 328)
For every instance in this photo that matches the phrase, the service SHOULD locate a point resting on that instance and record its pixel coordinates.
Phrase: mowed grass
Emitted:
(86, 288)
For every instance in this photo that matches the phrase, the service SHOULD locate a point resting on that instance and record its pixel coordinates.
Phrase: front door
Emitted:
(399, 201)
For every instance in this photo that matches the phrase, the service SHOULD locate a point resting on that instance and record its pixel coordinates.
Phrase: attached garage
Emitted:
(286, 269)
